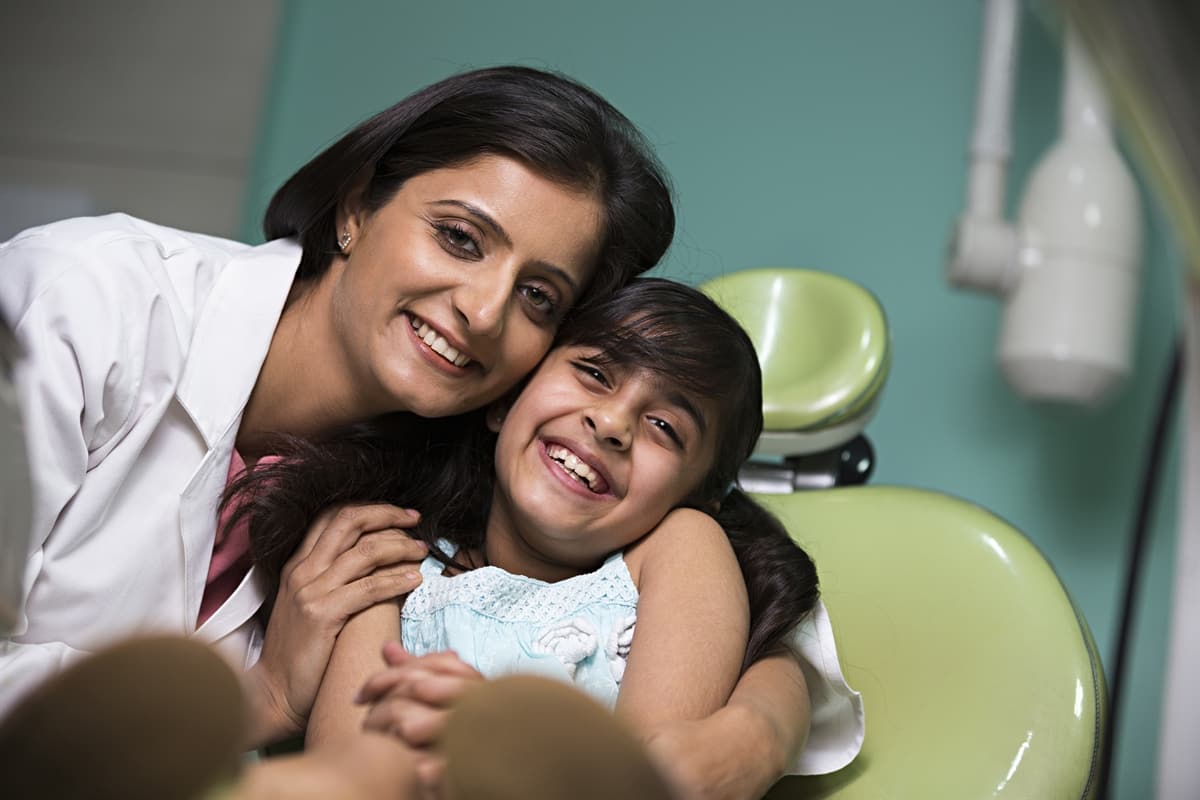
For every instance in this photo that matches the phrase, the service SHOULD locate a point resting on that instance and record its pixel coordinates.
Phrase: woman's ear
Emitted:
(351, 216)
(495, 415)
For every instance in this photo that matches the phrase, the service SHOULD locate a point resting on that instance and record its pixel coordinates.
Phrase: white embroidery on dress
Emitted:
(618, 646)
(571, 641)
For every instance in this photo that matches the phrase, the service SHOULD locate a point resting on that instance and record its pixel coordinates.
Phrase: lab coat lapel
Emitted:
(227, 350)
(198, 519)
(233, 334)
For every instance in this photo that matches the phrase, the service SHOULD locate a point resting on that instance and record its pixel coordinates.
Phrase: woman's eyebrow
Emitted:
(489, 222)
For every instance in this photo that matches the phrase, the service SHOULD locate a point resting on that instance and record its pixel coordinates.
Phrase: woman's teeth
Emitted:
(575, 468)
(437, 344)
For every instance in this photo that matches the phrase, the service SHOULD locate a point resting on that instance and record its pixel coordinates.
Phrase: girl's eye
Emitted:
(541, 300)
(457, 239)
(591, 372)
(669, 430)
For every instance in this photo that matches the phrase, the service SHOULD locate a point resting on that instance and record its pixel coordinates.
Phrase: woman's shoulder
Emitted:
(115, 258)
(116, 231)
(100, 266)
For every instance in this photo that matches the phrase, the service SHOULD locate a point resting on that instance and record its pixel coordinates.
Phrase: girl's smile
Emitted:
(581, 470)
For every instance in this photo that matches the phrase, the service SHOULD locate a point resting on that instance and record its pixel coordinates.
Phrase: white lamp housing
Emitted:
(1068, 268)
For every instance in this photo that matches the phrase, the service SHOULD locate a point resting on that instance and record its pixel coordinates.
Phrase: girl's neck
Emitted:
(506, 548)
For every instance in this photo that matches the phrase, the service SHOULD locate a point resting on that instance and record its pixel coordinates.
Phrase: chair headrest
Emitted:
(823, 345)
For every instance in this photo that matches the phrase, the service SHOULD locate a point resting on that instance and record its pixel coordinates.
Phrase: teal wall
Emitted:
(827, 135)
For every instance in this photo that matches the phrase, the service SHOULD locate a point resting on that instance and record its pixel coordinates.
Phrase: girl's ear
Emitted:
(495, 415)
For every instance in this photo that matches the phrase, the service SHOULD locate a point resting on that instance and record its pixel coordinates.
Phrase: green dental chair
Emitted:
(979, 677)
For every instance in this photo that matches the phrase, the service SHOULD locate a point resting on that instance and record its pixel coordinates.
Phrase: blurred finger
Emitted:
(379, 685)
(443, 661)
(417, 725)
(431, 769)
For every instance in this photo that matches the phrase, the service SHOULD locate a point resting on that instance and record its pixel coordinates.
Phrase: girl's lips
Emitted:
(563, 475)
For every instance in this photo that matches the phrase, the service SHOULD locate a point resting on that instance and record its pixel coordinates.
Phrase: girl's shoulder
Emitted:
(685, 536)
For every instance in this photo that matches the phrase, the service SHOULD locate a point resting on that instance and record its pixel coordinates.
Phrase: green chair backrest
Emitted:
(979, 677)
(822, 341)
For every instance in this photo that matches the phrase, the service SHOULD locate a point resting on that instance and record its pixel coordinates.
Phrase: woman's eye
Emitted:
(540, 300)
(457, 239)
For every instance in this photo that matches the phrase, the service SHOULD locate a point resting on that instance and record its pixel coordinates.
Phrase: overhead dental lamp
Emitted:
(1067, 268)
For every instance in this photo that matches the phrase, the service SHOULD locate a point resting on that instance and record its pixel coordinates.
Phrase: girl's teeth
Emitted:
(573, 466)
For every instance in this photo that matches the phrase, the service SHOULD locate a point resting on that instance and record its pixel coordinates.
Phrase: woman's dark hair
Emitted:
(444, 467)
(556, 126)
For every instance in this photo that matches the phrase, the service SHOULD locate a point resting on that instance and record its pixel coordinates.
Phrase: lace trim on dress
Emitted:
(515, 598)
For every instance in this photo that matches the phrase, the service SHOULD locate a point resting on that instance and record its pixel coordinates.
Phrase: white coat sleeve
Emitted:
(74, 393)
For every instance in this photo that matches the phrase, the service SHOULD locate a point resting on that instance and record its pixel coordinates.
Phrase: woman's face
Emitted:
(452, 292)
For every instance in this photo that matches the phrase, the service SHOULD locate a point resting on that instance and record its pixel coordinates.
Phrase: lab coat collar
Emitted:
(232, 335)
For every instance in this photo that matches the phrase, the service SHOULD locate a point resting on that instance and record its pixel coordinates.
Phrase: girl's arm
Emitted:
(681, 669)
(692, 624)
(356, 657)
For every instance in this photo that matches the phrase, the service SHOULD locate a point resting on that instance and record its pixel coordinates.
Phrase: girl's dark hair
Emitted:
(559, 128)
(444, 467)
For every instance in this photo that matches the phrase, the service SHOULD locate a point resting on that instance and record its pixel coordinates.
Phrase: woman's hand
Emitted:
(351, 559)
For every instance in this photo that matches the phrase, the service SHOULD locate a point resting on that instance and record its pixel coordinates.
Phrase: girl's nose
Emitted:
(611, 426)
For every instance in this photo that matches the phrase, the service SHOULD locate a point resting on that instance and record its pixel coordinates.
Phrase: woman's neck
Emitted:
(301, 390)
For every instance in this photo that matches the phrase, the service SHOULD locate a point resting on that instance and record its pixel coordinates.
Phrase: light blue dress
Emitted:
(577, 630)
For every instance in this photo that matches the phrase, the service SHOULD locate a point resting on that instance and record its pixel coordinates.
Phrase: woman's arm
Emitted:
(692, 623)
(738, 752)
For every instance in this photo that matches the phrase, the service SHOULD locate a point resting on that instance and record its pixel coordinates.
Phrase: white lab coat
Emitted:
(141, 345)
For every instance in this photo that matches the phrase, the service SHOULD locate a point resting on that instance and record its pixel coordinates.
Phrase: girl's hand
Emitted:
(412, 698)
(351, 559)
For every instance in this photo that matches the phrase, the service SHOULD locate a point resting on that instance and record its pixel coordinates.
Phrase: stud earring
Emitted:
(344, 240)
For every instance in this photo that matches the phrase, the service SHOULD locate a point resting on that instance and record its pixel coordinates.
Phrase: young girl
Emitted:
(637, 421)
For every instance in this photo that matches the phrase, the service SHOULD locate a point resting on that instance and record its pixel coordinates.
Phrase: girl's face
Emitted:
(452, 291)
(591, 458)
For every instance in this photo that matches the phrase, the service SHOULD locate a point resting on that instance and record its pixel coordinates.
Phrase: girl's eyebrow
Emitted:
(685, 404)
(498, 231)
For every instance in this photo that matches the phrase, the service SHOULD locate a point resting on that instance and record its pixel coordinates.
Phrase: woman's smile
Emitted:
(477, 262)
(445, 354)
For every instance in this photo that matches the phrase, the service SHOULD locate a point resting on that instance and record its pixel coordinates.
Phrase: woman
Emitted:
(419, 265)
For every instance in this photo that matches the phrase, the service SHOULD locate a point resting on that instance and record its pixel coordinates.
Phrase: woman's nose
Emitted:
(482, 300)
